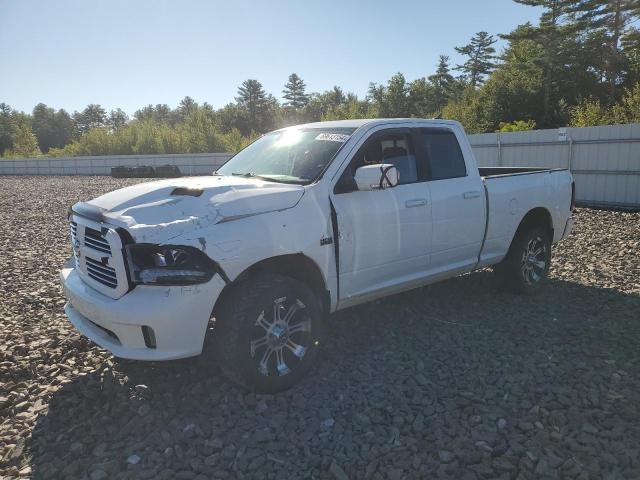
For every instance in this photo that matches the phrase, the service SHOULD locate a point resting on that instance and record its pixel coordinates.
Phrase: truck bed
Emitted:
(504, 171)
(513, 191)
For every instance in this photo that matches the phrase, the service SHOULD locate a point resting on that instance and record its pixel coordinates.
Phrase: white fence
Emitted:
(189, 164)
(604, 160)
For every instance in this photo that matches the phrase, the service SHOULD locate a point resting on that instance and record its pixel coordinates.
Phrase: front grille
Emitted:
(102, 273)
(94, 239)
(97, 251)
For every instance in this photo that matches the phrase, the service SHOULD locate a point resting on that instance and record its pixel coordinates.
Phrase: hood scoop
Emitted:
(187, 191)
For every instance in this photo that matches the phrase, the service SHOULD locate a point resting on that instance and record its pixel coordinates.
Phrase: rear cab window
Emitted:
(443, 153)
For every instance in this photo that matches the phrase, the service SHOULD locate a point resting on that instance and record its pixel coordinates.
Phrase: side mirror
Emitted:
(376, 177)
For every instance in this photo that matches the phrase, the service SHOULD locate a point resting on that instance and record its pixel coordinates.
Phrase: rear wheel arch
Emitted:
(535, 232)
(536, 217)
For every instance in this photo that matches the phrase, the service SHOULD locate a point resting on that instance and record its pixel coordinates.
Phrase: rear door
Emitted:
(458, 202)
(384, 234)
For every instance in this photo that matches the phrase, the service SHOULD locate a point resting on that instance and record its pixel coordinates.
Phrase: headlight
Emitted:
(168, 264)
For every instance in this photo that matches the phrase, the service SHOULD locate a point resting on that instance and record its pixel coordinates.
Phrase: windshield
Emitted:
(290, 156)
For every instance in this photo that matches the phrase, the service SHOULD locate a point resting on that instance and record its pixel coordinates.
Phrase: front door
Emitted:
(384, 235)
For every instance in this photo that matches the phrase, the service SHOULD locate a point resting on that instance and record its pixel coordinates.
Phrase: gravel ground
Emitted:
(455, 380)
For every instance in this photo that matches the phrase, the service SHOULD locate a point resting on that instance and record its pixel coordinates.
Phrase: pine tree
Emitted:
(396, 97)
(630, 43)
(7, 126)
(548, 34)
(336, 97)
(375, 93)
(187, 107)
(443, 83)
(613, 17)
(42, 123)
(421, 99)
(25, 143)
(294, 93)
(117, 119)
(252, 97)
(94, 116)
(481, 56)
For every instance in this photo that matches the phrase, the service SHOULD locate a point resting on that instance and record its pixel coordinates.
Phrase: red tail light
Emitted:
(573, 196)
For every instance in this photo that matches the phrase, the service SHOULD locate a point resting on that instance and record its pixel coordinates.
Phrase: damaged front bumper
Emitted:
(148, 323)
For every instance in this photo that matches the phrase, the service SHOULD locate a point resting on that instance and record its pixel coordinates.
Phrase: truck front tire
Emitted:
(527, 263)
(267, 332)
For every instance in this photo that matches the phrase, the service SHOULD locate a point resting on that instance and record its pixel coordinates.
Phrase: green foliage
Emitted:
(294, 93)
(469, 110)
(94, 116)
(630, 43)
(117, 119)
(234, 141)
(325, 105)
(513, 92)
(444, 85)
(391, 101)
(628, 109)
(24, 142)
(591, 112)
(255, 103)
(611, 19)
(350, 108)
(52, 129)
(517, 126)
(419, 98)
(480, 61)
(7, 127)
(160, 113)
(17, 139)
(422, 99)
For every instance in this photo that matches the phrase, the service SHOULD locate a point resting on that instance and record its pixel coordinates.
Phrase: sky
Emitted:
(130, 53)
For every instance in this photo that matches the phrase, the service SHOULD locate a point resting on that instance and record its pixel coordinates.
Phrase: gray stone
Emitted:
(98, 475)
(337, 471)
(445, 456)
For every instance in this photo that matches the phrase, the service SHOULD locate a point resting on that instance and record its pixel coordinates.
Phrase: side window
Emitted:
(395, 149)
(443, 154)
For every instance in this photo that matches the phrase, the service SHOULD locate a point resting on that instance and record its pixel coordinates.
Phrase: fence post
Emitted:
(499, 150)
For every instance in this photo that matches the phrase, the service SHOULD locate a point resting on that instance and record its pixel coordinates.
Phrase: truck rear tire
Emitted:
(527, 263)
(267, 332)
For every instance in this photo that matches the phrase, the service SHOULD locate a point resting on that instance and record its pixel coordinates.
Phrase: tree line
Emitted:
(579, 66)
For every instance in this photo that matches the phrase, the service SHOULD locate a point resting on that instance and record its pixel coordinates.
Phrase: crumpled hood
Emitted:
(158, 211)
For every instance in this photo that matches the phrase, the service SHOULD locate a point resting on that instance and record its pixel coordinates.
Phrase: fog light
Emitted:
(149, 337)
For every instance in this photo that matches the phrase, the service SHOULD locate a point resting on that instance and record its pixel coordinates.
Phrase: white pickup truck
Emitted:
(305, 221)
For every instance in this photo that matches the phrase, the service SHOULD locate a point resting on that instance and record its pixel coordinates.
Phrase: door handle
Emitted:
(415, 202)
(472, 194)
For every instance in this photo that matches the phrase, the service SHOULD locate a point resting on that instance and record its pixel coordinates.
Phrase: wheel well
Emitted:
(538, 217)
(297, 266)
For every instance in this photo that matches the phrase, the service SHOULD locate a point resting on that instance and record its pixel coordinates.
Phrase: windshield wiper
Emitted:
(268, 178)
